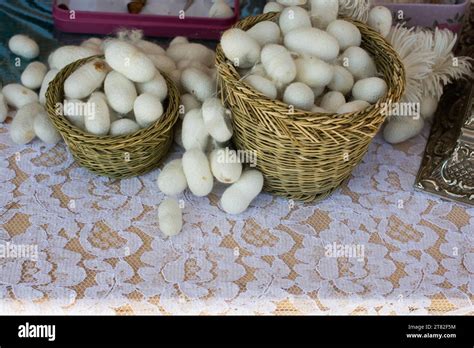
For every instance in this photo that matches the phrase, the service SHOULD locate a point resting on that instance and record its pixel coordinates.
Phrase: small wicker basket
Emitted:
(302, 155)
(114, 156)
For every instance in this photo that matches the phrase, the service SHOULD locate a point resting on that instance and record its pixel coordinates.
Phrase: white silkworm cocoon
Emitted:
(238, 196)
(171, 180)
(170, 217)
(198, 172)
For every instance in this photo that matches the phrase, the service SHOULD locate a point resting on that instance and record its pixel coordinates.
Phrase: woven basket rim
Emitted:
(303, 116)
(64, 126)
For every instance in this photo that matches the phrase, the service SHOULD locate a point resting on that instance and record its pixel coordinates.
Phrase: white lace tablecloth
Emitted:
(99, 248)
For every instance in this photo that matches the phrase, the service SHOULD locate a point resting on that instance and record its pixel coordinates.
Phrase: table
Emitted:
(91, 245)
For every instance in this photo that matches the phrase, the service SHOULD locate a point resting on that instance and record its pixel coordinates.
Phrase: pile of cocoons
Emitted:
(414, 55)
(127, 90)
(308, 59)
(204, 131)
(204, 135)
(31, 119)
(115, 96)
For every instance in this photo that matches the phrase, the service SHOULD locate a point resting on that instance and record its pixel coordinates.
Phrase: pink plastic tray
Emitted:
(449, 16)
(152, 25)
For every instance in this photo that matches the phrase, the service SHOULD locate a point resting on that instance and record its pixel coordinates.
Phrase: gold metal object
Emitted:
(447, 168)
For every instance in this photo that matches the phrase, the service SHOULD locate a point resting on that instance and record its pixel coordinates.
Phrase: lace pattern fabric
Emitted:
(375, 247)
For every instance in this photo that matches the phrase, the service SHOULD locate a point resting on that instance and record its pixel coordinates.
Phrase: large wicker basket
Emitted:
(302, 155)
(114, 156)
